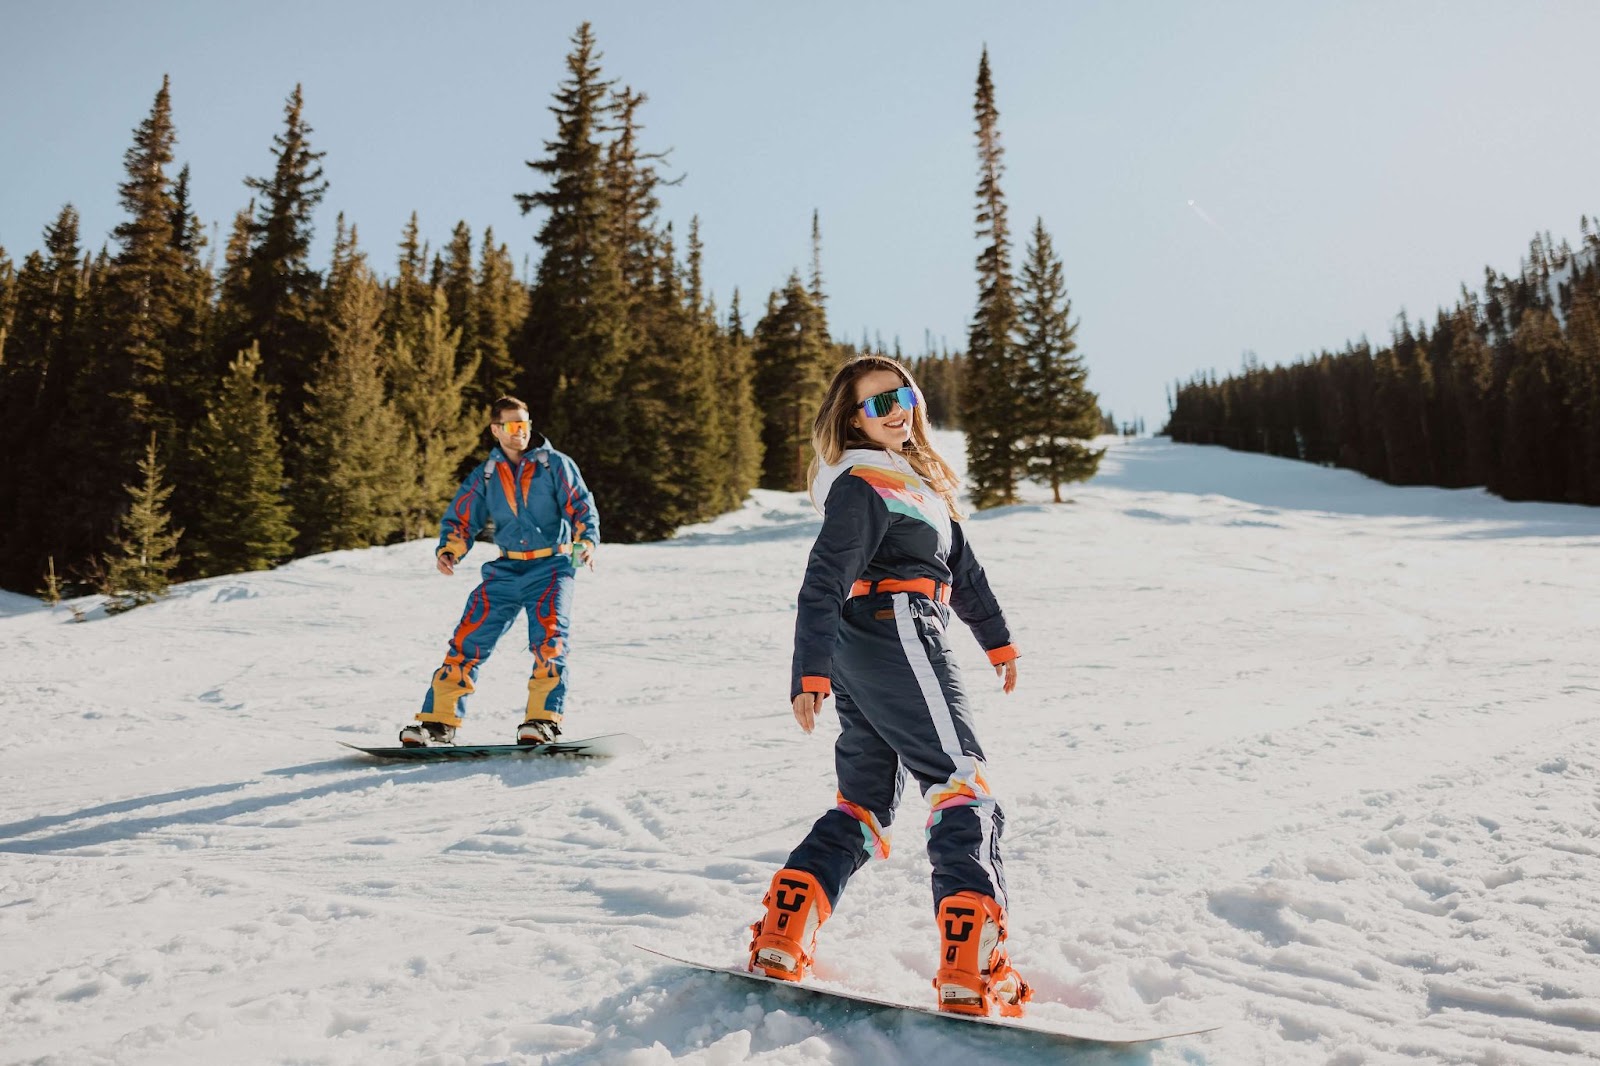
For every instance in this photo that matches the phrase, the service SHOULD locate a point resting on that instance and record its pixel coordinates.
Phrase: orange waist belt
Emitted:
(927, 586)
(542, 553)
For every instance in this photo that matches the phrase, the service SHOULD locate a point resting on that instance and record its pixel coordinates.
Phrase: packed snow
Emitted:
(1307, 756)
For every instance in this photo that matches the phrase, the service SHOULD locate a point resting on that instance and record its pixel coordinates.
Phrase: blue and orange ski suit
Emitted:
(887, 569)
(540, 508)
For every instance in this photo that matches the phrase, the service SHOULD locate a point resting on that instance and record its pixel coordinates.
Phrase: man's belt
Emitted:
(926, 586)
(540, 553)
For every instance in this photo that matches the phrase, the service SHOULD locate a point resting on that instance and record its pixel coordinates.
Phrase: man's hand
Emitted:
(446, 563)
(1007, 671)
(585, 552)
(805, 709)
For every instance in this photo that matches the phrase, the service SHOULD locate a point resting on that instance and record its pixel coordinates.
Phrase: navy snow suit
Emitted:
(871, 630)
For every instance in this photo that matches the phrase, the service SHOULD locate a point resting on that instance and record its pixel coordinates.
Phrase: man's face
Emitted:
(512, 429)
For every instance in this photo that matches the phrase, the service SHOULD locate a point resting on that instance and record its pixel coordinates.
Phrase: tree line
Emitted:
(1502, 391)
(170, 410)
(1025, 403)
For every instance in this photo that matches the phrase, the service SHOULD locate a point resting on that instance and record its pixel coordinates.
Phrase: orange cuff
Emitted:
(821, 685)
(1003, 654)
(454, 547)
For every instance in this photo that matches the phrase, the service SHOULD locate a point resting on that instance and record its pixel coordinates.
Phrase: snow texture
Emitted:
(1307, 755)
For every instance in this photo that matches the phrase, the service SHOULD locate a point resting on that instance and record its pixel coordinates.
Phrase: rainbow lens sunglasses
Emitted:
(515, 427)
(881, 404)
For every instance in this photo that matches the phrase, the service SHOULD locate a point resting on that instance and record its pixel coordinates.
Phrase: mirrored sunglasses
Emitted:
(878, 406)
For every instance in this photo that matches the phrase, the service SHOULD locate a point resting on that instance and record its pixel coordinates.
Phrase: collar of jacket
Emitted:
(828, 473)
(498, 456)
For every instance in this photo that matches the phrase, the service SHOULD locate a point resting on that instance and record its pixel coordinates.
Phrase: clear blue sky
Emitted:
(1345, 160)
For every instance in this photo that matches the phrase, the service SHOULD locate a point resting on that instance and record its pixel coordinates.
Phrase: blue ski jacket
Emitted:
(882, 523)
(538, 502)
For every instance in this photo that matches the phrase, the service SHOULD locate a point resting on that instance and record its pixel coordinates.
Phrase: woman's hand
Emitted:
(1007, 670)
(805, 709)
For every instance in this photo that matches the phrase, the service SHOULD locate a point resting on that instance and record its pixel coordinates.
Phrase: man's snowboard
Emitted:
(1090, 1034)
(593, 748)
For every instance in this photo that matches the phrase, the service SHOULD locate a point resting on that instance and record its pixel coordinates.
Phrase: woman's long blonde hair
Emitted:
(832, 434)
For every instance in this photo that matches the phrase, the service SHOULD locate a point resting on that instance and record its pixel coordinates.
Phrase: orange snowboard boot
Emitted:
(786, 935)
(975, 971)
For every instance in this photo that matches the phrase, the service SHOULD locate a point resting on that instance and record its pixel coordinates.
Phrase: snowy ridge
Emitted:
(1295, 751)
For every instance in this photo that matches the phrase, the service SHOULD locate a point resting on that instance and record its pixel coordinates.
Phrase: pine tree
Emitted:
(669, 475)
(233, 287)
(817, 295)
(50, 591)
(139, 572)
(740, 460)
(500, 302)
(191, 372)
(280, 290)
(429, 389)
(460, 287)
(994, 371)
(41, 394)
(792, 362)
(1060, 414)
(351, 441)
(1405, 391)
(148, 294)
(410, 297)
(669, 392)
(631, 182)
(575, 344)
(1533, 462)
(243, 522)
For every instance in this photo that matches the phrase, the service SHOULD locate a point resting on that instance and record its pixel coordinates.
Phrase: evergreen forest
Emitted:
(1503, 390)
(172, 410)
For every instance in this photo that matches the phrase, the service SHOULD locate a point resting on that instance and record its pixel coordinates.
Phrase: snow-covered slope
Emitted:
(1294, 751)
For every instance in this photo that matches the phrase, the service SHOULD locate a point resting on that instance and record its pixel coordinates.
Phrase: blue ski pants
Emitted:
(902, 711)
(542, 587)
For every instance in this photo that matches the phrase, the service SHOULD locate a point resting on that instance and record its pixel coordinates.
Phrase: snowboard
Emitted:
(1066, 1033)
(603, 747)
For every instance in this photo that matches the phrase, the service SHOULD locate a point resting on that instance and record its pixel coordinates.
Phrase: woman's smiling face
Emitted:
(892, 430)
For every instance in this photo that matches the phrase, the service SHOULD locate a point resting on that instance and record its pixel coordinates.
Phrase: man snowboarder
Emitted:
(545, 525)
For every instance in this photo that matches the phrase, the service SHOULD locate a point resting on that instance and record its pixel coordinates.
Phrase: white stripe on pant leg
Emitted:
(944, 723)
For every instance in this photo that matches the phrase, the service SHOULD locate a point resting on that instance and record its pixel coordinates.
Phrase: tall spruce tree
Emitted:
(139, 571)
(575, 345)
(149, 295)
(1060, 414)
(994, 367)
(669, 475)
(278, 304)
(243, 522)
(817, 295)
